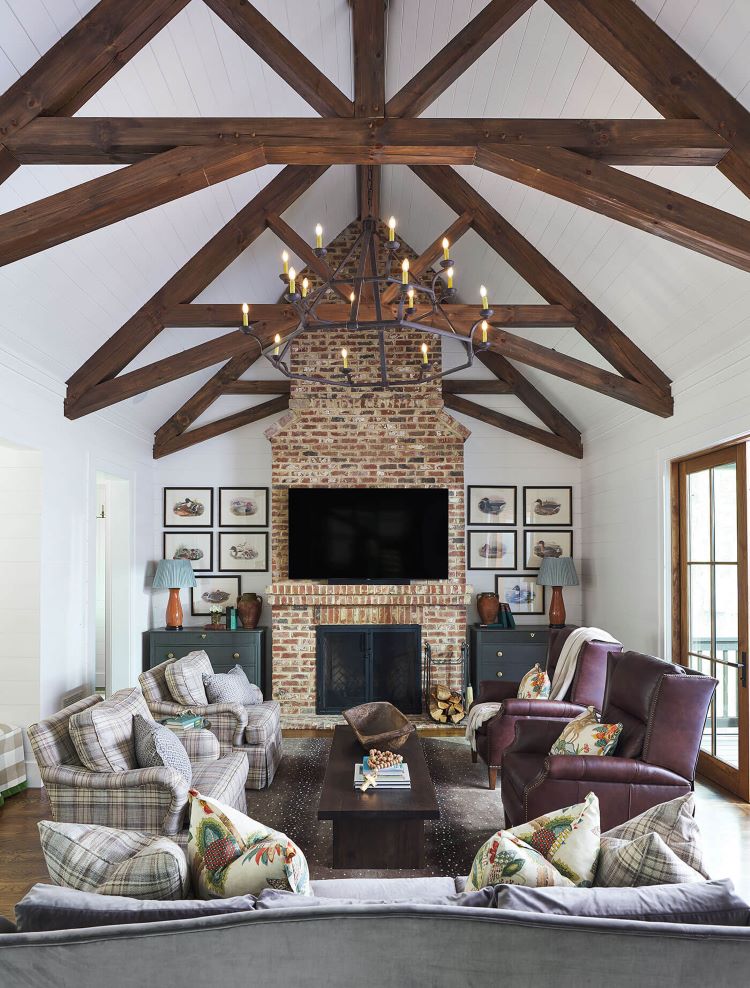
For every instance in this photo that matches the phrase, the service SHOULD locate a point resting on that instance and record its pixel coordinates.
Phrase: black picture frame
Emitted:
(200, 581)
(546, 521)
(520, 576)
(205, 520)
(478, 534)
(238, 568)
(530, 532)
(471, 514)
(185, 535)
(235, 520)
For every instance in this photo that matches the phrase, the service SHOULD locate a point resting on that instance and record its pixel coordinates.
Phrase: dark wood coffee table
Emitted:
(380, 828)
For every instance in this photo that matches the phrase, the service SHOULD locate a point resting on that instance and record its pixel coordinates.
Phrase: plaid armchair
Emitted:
(148, 799)
(254, 730)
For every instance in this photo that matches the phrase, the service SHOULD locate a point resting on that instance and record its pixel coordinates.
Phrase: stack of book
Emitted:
(185, 722)
(396, 777)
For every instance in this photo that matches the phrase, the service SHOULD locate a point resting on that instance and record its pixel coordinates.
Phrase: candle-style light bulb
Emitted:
(305, 286)
(405, 271)
(392, 229)
(285, 260)
(484, 331)
(277, 340)
(424, 353)
(483, 293)
(352, 297)
(449, 275)
(345, 357)
(410, 295)
(318, 235)
(446, 248)
(292, 281)
(245, 310)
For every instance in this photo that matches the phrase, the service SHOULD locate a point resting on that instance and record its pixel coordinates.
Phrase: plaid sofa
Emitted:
(254, 730)
(149, 799)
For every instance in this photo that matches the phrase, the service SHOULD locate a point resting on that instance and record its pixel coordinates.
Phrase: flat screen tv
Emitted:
(368, 534)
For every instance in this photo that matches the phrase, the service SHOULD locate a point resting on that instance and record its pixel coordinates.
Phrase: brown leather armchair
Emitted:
(662, 708)
(587, 688)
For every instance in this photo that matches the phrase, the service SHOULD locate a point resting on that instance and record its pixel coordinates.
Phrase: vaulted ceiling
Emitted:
(654, 309)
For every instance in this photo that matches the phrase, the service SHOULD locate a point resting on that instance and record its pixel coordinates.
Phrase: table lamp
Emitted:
(557, 573)
(172, 575)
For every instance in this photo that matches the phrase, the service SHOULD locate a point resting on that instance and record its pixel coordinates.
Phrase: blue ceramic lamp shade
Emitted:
(557, 572)
(172, 575)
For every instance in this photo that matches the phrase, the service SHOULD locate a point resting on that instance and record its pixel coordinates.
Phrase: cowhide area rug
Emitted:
(469, 811)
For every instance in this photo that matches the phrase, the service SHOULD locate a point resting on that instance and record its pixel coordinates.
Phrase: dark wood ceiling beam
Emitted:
(8, 164)
(283, 57)
(368, 32)
(218, 428)
(204, 397)
(123, 193)
(470, 386)
(625, 198)
(508, 424)
(663, 72)
(456, 57)
(596, 328)
(280, 387)
(191, 279)
(299, 246)
(433, 253)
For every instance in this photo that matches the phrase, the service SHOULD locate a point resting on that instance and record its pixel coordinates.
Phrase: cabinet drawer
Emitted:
(507, 661)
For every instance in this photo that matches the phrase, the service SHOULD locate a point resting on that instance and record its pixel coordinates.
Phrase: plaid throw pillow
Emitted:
(535, 685)
(644, 861)
(103, 733)
(674, 822)
(113, 862)
(231, 687)
(185, 678)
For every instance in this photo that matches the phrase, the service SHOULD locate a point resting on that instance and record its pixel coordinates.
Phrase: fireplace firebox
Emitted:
(358, 663)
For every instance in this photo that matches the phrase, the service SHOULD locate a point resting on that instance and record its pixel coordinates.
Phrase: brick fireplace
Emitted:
(335, 437)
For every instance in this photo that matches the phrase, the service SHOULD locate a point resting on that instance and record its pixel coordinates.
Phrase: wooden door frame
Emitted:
(735, 780)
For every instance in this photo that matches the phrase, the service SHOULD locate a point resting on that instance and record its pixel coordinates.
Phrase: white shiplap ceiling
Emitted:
(57, 307)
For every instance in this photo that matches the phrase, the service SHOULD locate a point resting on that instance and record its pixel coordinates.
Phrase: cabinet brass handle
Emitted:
(203, 636)
(170, 655)
(236, 655)
(499, 674)
(532, 633)
(499, 655)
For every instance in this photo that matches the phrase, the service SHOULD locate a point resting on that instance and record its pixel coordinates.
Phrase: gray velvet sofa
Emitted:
(343, 943)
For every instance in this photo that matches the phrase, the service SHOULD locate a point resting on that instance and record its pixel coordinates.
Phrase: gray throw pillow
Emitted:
(48, 907)
(231, 687)
(279, 899)
(705, 903)
(156, 745)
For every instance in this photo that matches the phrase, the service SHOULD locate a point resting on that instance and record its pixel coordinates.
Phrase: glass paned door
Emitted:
(713, 612)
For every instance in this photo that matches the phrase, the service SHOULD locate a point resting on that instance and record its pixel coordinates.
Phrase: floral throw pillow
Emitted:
(230, 854)
(567, 838)
(505, 859)
(535, 685)
(586, 736)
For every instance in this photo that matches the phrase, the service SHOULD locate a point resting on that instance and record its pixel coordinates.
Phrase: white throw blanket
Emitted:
(565, 671)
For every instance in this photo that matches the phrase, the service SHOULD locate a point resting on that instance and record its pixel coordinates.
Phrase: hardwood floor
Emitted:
(725, 822)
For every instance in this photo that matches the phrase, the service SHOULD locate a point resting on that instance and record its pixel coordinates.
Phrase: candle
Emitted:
(424, 353)
(449, 273)
(469, 696)
(483, 293)
(405, 271)
(285, 261)
(351, 298)
(345, 357)
(277, 340)
(305, 286)
(245, 310)
(392, 229)
(410, 293)
(446, 248)
(292, 283)
(318, 236)
(484, 331)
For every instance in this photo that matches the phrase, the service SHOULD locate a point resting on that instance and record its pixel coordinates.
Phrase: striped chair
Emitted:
(254, 730)
(123, 795)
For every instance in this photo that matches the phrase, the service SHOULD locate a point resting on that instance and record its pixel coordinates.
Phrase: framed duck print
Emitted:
(214, 591)
(246, 551)
(541, 542)
(490, 505)
(188, 507)
(494, 549)
(548, 506)
(197, 547)
(521, 592)
(243, 507)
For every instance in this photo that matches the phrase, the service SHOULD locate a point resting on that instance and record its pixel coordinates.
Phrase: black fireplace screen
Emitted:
(359, 663)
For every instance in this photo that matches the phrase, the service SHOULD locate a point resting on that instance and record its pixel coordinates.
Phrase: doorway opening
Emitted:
(112, 582)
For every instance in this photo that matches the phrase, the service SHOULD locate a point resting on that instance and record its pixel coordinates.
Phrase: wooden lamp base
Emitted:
(557, 609)
(174, 611)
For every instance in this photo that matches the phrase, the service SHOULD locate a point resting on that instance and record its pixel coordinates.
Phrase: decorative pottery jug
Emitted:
(488, 605)
(249, 606)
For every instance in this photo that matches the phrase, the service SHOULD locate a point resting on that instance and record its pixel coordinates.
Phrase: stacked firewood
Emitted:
(446, 705)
